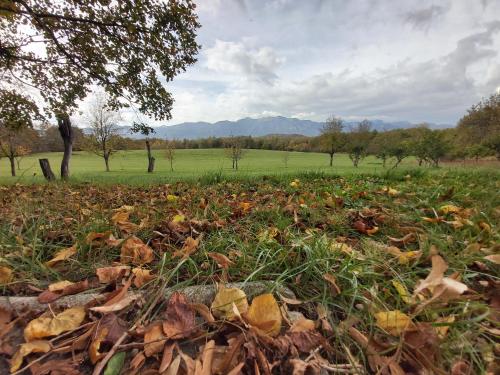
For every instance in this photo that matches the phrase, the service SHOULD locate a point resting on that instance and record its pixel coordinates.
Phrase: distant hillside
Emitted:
(258, 127)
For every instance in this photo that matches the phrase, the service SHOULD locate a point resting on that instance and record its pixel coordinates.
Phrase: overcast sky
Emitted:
(377, 59)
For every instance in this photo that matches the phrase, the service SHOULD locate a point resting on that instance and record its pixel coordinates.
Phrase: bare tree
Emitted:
(286, 157)
(170, 154)
(234, 152)
(103, 124)
(332, 138)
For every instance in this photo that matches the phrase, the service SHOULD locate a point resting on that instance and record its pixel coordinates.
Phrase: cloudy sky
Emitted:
(379, 59)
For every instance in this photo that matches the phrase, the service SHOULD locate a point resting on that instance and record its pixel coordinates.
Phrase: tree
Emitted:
(379, 147)
(432, 147)
(170, 154)
(21, 152)
(103, 124)
(332, 138)
(358, 142)
(17, 114)
(128, 47)
(234, 152)
(477, 151)
(145, 130)
(286, 158)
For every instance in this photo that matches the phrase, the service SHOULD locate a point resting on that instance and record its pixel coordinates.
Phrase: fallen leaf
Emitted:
(494, 258)
(204, 311)
(108, 330)
(60, 285)
(36, 346)
(179, 317)
(115, 364)
(436, 275)
(136, 252)
(100, 239)
(179, 219)
(62, 255)
(408, 238)
(142, 276)
(302, 324)
(189, 247)
(5, 275)
(402, 291)
(395, 322)
(449, 209)
(108, 275)
(120, 305)
(207, 358)
(333, 283)
(44, 326)
(222, 306)
(172, 198)
(264, 313)
(61, 289)
(154, 339)
(222, 260)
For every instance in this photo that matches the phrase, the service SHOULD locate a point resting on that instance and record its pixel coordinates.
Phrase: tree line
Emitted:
(477, 135)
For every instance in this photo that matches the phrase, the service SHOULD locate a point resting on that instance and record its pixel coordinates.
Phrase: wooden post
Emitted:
(47, 171)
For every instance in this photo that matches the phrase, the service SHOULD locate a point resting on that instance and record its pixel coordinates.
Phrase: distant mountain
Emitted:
(258, 127)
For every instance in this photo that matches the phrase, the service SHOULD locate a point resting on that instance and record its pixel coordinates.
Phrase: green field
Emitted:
(130, 166)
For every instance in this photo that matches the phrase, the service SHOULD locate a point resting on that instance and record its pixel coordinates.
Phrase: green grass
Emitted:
(130, 166)
(38, 220)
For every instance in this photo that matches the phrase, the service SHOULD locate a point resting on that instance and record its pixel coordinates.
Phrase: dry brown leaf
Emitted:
(222, 260)
(59, 286)
(62, 255)
(264, 313)
(154, 339)
(333, 283)
(108, 275)
(204, 311)
(120, 305)
(142, 276)
(108, 330)
(36, 346)
(189, 247)
(168, 353)
(136, 252)
(395, 322)
(61, 289)
(302, 324)
(222, 306)
(173, 369)
(44, 326)
(207, 358)
(494, 258)
(6, 275)
(179, 317)
(101, 239)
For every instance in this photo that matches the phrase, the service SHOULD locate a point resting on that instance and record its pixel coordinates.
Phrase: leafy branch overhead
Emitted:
(130, 48)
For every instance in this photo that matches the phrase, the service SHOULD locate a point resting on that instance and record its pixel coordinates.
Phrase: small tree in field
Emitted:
(286, 158)
(145, 130)
(170, 154)
(332, 138)
(103, 123)
(17, 113)
(21, 152)
(234, 152)
(359, 140)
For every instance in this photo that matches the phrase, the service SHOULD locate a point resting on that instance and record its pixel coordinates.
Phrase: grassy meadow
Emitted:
(130, 166)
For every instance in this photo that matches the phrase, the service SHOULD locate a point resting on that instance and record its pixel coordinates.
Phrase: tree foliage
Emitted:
(332, 138)
(128, 47)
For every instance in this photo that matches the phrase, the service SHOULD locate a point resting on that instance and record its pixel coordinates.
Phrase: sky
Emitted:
(377, 59)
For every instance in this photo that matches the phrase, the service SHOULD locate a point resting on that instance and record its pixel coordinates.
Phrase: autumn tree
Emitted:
(17, 114)
(234, 152)
(21, 152)
(128, 47)
(170, 154)
(358, 142)
(332, 138)
(104, 128)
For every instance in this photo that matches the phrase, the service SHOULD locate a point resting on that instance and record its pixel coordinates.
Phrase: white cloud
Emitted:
(236, 58)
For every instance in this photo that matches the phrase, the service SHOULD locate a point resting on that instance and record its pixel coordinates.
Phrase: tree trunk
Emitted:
(236, 164)
(151, 164)
(46, 170)
(66, 131)
(18, 162)
(331, 160)
(106, 161)
(384, 162)
(12, 166)
(151, 159)
(171, 165)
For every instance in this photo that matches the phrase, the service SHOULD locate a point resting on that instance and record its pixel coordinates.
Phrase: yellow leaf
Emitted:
(172, 198)
(302, 324)
(179, 219)
(60, 285)
(5, 275)
(402, 291)
(264, 313)
(37, 346)
(45, 326)
(189, 247)
(222, 306)
(62, 255)
(295, 183)
(442, 330)
(395, 322)
(135, 251)
(449, 209)
(120, 217)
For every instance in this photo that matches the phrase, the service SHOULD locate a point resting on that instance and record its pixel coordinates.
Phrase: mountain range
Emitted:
(259, 127)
